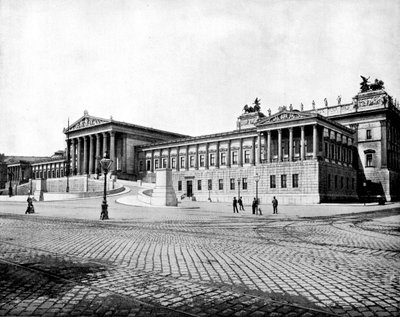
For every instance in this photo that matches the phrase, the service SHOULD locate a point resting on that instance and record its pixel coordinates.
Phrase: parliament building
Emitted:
(338, 153)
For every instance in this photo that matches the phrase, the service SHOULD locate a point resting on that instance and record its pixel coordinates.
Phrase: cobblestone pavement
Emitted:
(193, 263)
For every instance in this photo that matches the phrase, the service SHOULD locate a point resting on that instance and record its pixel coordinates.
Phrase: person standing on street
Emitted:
(275, 205)
(254, 206)
(235, 208)
(30, 209)
(240, 201)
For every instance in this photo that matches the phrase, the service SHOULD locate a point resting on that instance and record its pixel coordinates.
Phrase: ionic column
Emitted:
(268, 146)
(302, 143)
(258, 158)
(187, 158)
(98, 157)
(315, 141)
(279, 145)
(217, 156)
(152, 161)
(383, 144)
(290, 144)
(240, 154)
(207, 159)
(228, 155)
(112, 151)
(105, 147)
(78, 161)
(91, 158)
(73, 157)
(85, 155)
(169, 158)
(196, 158)
(178, 159)
(254, 157)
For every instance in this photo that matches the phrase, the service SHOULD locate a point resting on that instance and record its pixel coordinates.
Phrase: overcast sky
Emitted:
(183, 66)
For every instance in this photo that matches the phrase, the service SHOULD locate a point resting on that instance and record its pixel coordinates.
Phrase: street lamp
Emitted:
(105, 163)
(257, 179)
(238, 180)
(10, 191)
(68, 166)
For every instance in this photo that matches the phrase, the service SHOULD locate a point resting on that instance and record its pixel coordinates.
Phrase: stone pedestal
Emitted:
(164, 193)
(40, 187)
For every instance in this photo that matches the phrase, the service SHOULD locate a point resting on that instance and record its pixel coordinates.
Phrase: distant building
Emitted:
(342, 152)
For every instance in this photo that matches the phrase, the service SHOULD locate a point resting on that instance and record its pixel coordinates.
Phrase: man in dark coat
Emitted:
(275, 205)
(240, 203)
(234, 203)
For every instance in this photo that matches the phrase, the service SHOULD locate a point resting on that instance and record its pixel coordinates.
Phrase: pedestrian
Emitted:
(258, 207)
(30, 209)
(275, 205)
(235, 208)
(240, 201)
(254, 206)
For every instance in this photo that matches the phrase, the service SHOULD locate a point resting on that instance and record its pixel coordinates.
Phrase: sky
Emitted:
(185, 66)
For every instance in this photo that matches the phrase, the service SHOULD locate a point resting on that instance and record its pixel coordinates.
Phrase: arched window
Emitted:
(369, 157)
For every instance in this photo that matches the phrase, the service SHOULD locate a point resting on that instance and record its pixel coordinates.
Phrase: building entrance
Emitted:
(189, 188)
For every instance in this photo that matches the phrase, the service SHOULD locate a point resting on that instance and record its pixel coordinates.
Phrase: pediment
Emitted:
(284, 116)
(87, 121)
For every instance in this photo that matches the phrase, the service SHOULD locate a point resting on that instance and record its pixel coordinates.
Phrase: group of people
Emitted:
(255, 205)
(30, 209)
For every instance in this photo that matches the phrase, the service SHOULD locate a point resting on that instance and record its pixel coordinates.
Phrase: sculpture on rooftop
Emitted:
(256, 108)
(339, 99)
(366, 86)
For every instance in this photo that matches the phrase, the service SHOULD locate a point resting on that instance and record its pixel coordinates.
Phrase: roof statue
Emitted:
(366, 86)
(301, 107)
(339, 99)
(313, 105)
(326, 102)
(256, 107)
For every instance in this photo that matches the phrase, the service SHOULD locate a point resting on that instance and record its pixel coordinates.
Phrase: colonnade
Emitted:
(87, 151)
(49, 170)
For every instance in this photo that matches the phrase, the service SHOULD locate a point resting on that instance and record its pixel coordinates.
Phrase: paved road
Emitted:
(195, 262)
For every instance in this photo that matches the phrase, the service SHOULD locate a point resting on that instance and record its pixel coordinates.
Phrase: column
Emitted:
(73, 158)
(217, 156)
(169, 158)
(91, 154)
(279, 145)
(196, 158)
(152, 161)
(258, 158)
(254, 157)
(383, 144)
(178, 161)
(228, 154)
(206, 157)
(187, 158)
(85, 155)
(78, 161)
(302, 143)
(268, 146)
(112, 151)
(290, 144)
(98, 155)
(240, 153)
(315, 141)
(105, 147)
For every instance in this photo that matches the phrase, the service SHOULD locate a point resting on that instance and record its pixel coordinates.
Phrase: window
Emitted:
(295, 180)
(232, 182)
(369, 135)
(173, 162)
(329, 181)
(234, 158)
(155, 164)
(191, 160)
(164, 163)
(283, 181)
(368, 159)
(182, 165)
(179, 185)
(212, 159)
(199, 184)
(223, 158)
(244, 182)
(148, 165)
(341, 182)
(210, 184)
(347, 183)
(247, 157)
(272, 181)
(336, 181)
(140, 166)
(202, 163)
(220, 184)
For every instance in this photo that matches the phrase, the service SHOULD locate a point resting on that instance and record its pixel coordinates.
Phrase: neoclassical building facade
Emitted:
(342, 152)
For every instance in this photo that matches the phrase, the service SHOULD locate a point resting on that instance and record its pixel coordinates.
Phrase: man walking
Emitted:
(235, 208)
(275, 205)
(254, 206)
(240, 201)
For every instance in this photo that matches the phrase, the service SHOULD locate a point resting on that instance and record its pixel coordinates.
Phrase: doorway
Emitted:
(189, 188)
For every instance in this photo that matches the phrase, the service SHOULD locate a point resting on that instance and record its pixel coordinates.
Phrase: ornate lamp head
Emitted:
(105, 163)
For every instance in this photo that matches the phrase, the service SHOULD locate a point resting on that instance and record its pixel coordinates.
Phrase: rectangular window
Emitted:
(210, 184)
(164, 163)
(191, 160)
(234, 158)
(244, 182)
(202, 161)
(232, 182)
(182, 165)
(368, 160)
(341, 182)
(283, 180)
(199, 184)
(156, 164)
(369, 135)
(336, 181)
(295, 179)
(247, 157)
(347, 183)
(223, 158)
(220, 184)
(140, 166)
(179, 185)
(148, 165)
(329, 181)
(212, 159)
(173, 162)
(272, 181)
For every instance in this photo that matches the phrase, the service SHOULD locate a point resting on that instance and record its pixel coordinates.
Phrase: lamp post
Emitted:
(238, 180)
(10, 191)
(257, 179)
(67, 169)
(105, 163)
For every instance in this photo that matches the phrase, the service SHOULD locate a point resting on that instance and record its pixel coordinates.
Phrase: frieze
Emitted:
(86, 122)
(284, 116)
(377, 100)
